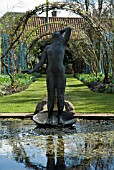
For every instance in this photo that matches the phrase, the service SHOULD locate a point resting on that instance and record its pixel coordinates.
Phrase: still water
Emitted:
(89, 145)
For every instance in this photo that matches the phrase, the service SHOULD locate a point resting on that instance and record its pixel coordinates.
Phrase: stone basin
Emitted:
(41, 118)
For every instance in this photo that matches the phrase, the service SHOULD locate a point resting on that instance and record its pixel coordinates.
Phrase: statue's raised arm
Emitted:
(67, 32)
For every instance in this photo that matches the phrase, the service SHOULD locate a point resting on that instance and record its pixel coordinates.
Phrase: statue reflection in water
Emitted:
(55, 156)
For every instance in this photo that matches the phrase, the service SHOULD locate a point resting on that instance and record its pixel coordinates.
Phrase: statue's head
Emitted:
(57, 36)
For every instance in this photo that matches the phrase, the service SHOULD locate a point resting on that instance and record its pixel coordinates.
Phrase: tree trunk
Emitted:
(87, 5)
(113, 59)
(106, 69)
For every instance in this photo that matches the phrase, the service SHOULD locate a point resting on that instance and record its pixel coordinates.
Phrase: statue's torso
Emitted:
(55, 54)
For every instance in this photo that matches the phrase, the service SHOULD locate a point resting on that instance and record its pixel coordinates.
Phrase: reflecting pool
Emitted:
(89, 145)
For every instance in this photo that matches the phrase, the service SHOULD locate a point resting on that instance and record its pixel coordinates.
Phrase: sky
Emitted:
(25, 5)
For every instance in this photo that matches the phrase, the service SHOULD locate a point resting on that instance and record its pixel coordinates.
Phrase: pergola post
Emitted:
(0, 53)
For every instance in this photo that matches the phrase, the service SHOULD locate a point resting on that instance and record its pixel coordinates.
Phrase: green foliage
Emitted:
(85, 48)
(90, 78)
(36, 75)
(9, 21)
(4, 79)
(24, 79)
(21, 81)
(96, 83)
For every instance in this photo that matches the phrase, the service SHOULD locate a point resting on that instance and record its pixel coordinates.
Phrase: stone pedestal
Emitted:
(41, 118)
(41, 114)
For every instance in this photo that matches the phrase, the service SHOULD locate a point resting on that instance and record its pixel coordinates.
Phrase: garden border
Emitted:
(90, 116)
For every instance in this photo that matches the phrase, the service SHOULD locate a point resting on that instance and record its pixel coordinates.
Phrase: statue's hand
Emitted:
(27, 71)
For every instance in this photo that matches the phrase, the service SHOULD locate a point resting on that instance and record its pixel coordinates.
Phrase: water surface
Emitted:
(89, 145)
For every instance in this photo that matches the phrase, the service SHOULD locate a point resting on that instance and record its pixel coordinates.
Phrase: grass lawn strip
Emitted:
(83, 100)
(26, 100)
(86, 101)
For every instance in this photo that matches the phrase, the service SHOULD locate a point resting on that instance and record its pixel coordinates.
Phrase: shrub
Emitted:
(96, 83)
(4, 79)
(21, 82)
(90, 78)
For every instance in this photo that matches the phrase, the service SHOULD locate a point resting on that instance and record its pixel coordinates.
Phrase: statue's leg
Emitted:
(60, 104)
(60, 97)
(51, 94)
(50, 107)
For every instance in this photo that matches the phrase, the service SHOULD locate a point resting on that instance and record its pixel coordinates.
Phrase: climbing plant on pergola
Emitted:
(92, 23)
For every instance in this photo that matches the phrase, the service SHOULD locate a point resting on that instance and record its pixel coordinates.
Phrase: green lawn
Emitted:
(87, 101)
(77, 93)
(24, 101)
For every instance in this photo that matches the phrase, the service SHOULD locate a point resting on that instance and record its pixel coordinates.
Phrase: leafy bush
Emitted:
(90, 78)
(4, 79)
(24, 79)
(96, 83)
(21, 82)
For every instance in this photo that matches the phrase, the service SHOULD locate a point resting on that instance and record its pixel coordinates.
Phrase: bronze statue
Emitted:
(54, 53)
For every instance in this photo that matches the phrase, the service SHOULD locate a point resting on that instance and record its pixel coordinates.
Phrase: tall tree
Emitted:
(87, 5)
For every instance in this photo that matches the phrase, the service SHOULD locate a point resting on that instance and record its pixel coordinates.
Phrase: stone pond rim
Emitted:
(90, 116)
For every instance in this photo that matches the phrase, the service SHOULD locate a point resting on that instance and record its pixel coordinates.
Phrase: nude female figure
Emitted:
(54, 53)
